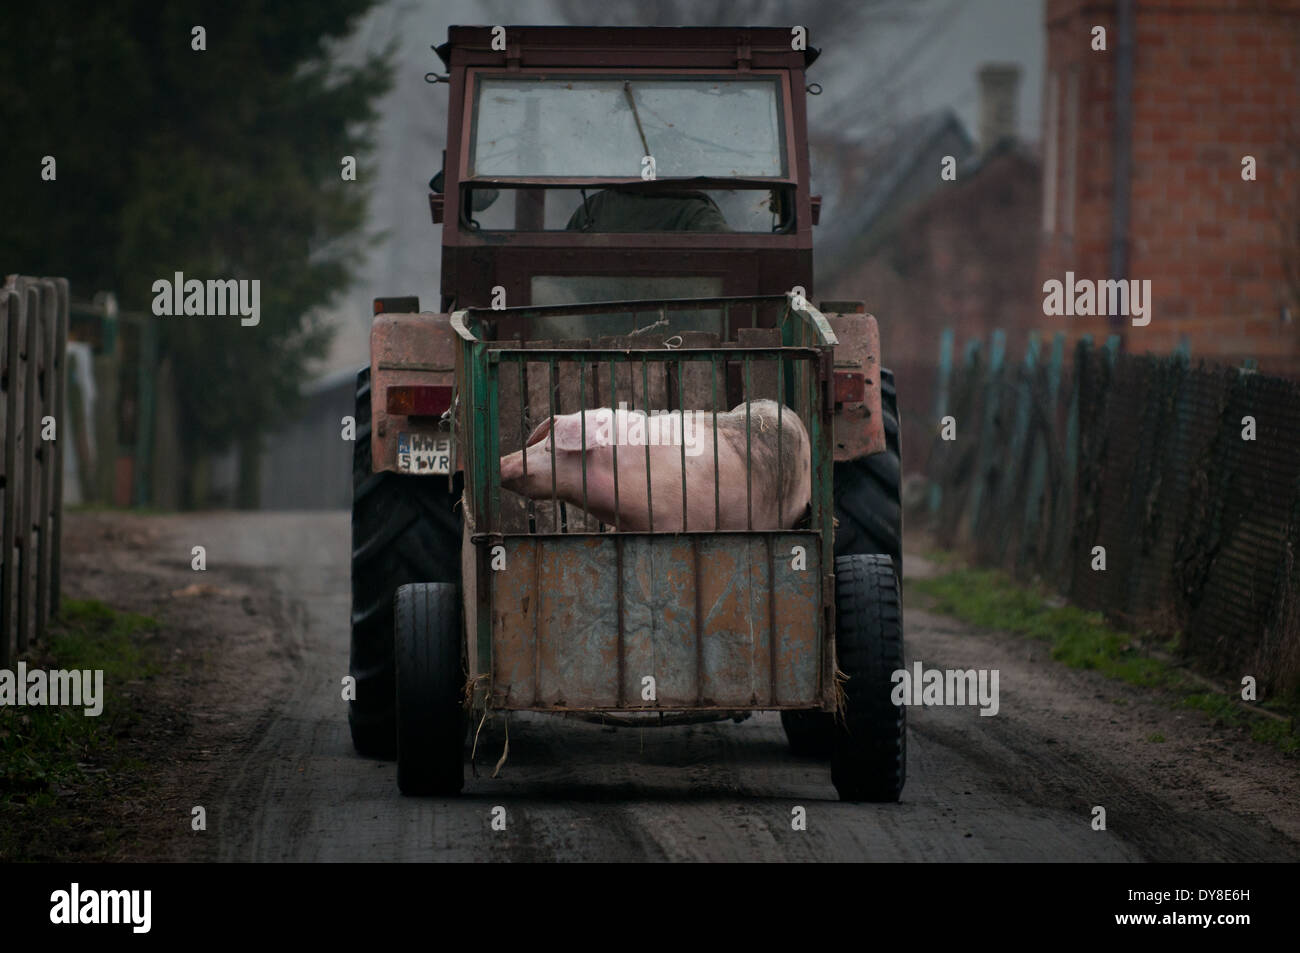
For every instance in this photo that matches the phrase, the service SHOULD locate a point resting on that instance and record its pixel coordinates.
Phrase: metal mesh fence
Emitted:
(1188, 478)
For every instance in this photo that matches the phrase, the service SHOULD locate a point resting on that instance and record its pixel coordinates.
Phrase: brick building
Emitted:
(1143, 153)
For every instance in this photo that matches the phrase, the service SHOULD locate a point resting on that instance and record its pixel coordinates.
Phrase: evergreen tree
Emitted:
(221, 163)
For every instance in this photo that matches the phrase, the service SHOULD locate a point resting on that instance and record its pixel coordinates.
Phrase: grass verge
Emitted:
(1083, 639)
(54, 758)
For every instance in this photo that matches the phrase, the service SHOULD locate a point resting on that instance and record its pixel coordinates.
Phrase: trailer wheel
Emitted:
(404, 530)
(430, 677)
(868, 498)
(869, 756)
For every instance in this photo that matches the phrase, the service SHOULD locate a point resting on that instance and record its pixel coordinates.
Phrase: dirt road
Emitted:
(267, 753)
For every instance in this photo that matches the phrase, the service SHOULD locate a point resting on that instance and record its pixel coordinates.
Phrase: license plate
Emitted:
(423, 453)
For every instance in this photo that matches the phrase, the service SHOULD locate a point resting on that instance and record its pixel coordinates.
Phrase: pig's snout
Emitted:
(512, 470)
(538, 449)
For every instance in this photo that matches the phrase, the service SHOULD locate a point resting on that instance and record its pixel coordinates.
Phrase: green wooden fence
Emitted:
(1188, 478)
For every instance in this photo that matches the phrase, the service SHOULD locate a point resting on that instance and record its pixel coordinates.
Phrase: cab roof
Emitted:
(685, 47)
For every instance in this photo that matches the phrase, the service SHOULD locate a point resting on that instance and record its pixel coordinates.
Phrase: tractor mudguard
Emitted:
(859, 419)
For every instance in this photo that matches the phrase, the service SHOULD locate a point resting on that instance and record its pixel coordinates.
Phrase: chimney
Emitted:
(999, 86)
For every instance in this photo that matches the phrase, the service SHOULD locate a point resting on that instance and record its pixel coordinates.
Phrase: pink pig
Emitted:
(662, 436)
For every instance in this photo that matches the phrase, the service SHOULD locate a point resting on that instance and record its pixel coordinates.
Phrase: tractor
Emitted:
(626, 222)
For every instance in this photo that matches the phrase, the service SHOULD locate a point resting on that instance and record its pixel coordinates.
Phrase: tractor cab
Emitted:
(589, 165)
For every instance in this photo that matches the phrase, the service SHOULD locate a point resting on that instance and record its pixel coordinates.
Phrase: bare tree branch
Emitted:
(820, 17)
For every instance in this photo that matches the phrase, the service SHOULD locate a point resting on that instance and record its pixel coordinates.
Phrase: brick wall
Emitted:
(1214, 80)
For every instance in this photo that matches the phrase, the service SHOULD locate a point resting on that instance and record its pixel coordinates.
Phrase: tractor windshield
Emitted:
(605, 127)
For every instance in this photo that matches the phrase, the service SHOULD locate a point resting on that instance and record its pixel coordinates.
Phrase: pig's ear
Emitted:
(568, 430)
(539, 432)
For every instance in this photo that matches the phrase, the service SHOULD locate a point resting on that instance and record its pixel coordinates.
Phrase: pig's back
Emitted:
(781, 467)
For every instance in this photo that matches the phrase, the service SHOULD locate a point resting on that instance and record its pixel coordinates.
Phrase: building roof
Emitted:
(875, 174)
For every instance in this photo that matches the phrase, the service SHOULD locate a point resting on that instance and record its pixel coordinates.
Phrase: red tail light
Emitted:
(407, 305)
(419, 400)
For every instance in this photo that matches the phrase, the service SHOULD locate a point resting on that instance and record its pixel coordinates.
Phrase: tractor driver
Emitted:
(618, 210)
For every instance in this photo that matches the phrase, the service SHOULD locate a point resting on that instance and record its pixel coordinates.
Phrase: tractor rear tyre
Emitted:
(404, 530)
(869, 755)
(868, 492)
(430, 677)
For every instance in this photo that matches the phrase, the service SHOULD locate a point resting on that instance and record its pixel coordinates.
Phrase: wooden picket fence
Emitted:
(33, 344)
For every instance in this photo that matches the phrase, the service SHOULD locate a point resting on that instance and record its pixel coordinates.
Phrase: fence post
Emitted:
(1070, 507)
(27, 450)
(44, 450)
(1013, 467)
(1030, 541)
(32, 334)
(997, 350)
(941, 404)
(10, 328)
(60, 379)
(106, 368)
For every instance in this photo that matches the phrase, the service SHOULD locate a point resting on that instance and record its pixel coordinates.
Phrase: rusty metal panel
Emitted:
(405, 349)
(577, 655)
(737, 662)
(514, 607)
(718, 620)
(797, 575)
(859, 425)
(659, 619)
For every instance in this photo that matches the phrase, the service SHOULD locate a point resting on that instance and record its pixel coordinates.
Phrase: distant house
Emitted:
(1188, 96)
(934, 252)
(868, 184)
